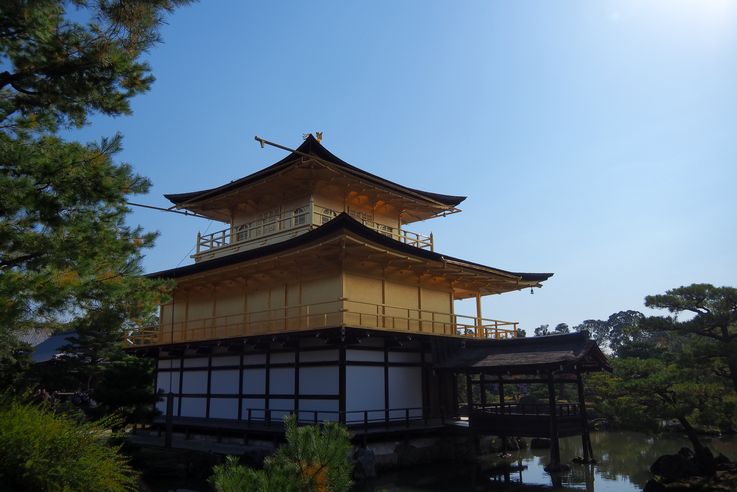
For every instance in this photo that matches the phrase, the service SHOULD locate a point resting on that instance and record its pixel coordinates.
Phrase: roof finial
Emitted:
(318, 136)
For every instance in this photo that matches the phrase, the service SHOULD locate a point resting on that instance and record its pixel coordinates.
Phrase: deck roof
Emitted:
(574, 352)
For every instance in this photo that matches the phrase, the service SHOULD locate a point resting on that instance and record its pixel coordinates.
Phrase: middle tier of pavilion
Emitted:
(340, 274)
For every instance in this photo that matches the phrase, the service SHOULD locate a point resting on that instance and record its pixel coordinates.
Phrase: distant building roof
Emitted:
(49, 348)
(529, 355)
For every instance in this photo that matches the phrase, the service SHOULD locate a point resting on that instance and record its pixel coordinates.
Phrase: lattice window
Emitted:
(241, 233)
(361, 216)
(300, 217)
(327, 215)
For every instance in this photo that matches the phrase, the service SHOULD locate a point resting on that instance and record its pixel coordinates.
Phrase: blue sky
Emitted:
(596, 140)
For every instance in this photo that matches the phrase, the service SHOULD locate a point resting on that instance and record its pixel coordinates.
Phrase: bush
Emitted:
(314, 458)
(43, 451)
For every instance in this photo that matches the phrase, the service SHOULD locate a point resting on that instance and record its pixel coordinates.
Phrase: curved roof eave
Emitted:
(311, 146)
(345, 222)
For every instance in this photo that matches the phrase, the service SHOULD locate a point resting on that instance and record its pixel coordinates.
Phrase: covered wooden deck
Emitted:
(269, 424)
(550, 361)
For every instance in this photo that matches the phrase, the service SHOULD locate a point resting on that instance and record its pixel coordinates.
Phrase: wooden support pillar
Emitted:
(169, 418)
(454, 393)
(469, 394)
(554, 464)
(588, 452)
(479, 323)
(482, 390)
(501, 411)
(342, 418)
(501, 396)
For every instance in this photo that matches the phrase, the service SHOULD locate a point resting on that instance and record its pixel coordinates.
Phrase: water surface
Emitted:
(624, 459)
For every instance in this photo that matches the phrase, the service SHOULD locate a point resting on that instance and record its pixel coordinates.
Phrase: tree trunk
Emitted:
(692, 435)
(732, 363)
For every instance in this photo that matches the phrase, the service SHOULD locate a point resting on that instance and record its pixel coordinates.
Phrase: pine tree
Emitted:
(65, 249)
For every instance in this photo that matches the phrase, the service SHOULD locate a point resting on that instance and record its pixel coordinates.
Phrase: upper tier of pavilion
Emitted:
(303, 191)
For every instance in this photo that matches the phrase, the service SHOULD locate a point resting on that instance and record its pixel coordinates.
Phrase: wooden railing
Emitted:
(513, 408)
(341, 312)
(258, 232)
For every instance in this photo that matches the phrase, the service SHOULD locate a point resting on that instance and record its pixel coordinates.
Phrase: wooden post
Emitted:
(479, 330)
(482, 390)
(501, 396)
(501, 411)
(169, 418)
(554, 464)
(588, 452)
(469, 394)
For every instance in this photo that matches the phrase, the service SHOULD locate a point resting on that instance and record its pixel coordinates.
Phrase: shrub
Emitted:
(314, 459)
(44, 451)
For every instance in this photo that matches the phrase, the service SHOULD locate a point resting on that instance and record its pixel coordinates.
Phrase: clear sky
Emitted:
(594, 139)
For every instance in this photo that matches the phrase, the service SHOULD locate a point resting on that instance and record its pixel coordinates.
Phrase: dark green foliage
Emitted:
(66, 253)
(561, 328)
(59, 70)
(712, 321)
(619, 332)
(314, 458)
(45, 451)
(666, 368)
(15, 360)
(127, 389)
(542, 330)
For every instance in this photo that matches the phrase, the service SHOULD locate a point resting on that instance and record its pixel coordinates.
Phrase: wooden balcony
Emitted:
(342, 312)
(286, 226)
(529, 420)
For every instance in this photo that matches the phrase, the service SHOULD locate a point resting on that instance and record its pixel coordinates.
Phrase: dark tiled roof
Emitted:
(49, 348)
(313, 147)
(528, 355)
(341, 223)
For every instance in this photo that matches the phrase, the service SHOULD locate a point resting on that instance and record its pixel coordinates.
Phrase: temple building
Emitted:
(316, 299)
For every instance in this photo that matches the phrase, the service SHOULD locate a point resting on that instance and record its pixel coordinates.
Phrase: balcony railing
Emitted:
(290, 224)
(341, 312)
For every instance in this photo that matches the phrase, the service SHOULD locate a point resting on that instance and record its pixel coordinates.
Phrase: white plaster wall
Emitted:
(254, 381)
(254, 359)
(327, 409)
(224, 408)
(193, 407)
(318, 380)
(168, 364)
(226, 360)
(196, 362)
(161, 406)
(364, 391)
(365, 355)
(405, 390)
(162, 381)
(194, 382)
(405, 357)
(280, 408)
(257, 404)
(318, 355)
(224, 382)
(282, 357)
(281, 381)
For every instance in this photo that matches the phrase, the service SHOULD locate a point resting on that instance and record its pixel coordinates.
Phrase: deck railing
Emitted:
(289, 224)
(513, 408)
(341, 312)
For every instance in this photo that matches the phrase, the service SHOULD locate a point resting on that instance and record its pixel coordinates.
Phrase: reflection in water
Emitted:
(624, 459)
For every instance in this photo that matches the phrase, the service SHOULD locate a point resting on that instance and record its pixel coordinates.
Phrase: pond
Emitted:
(624, 459)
